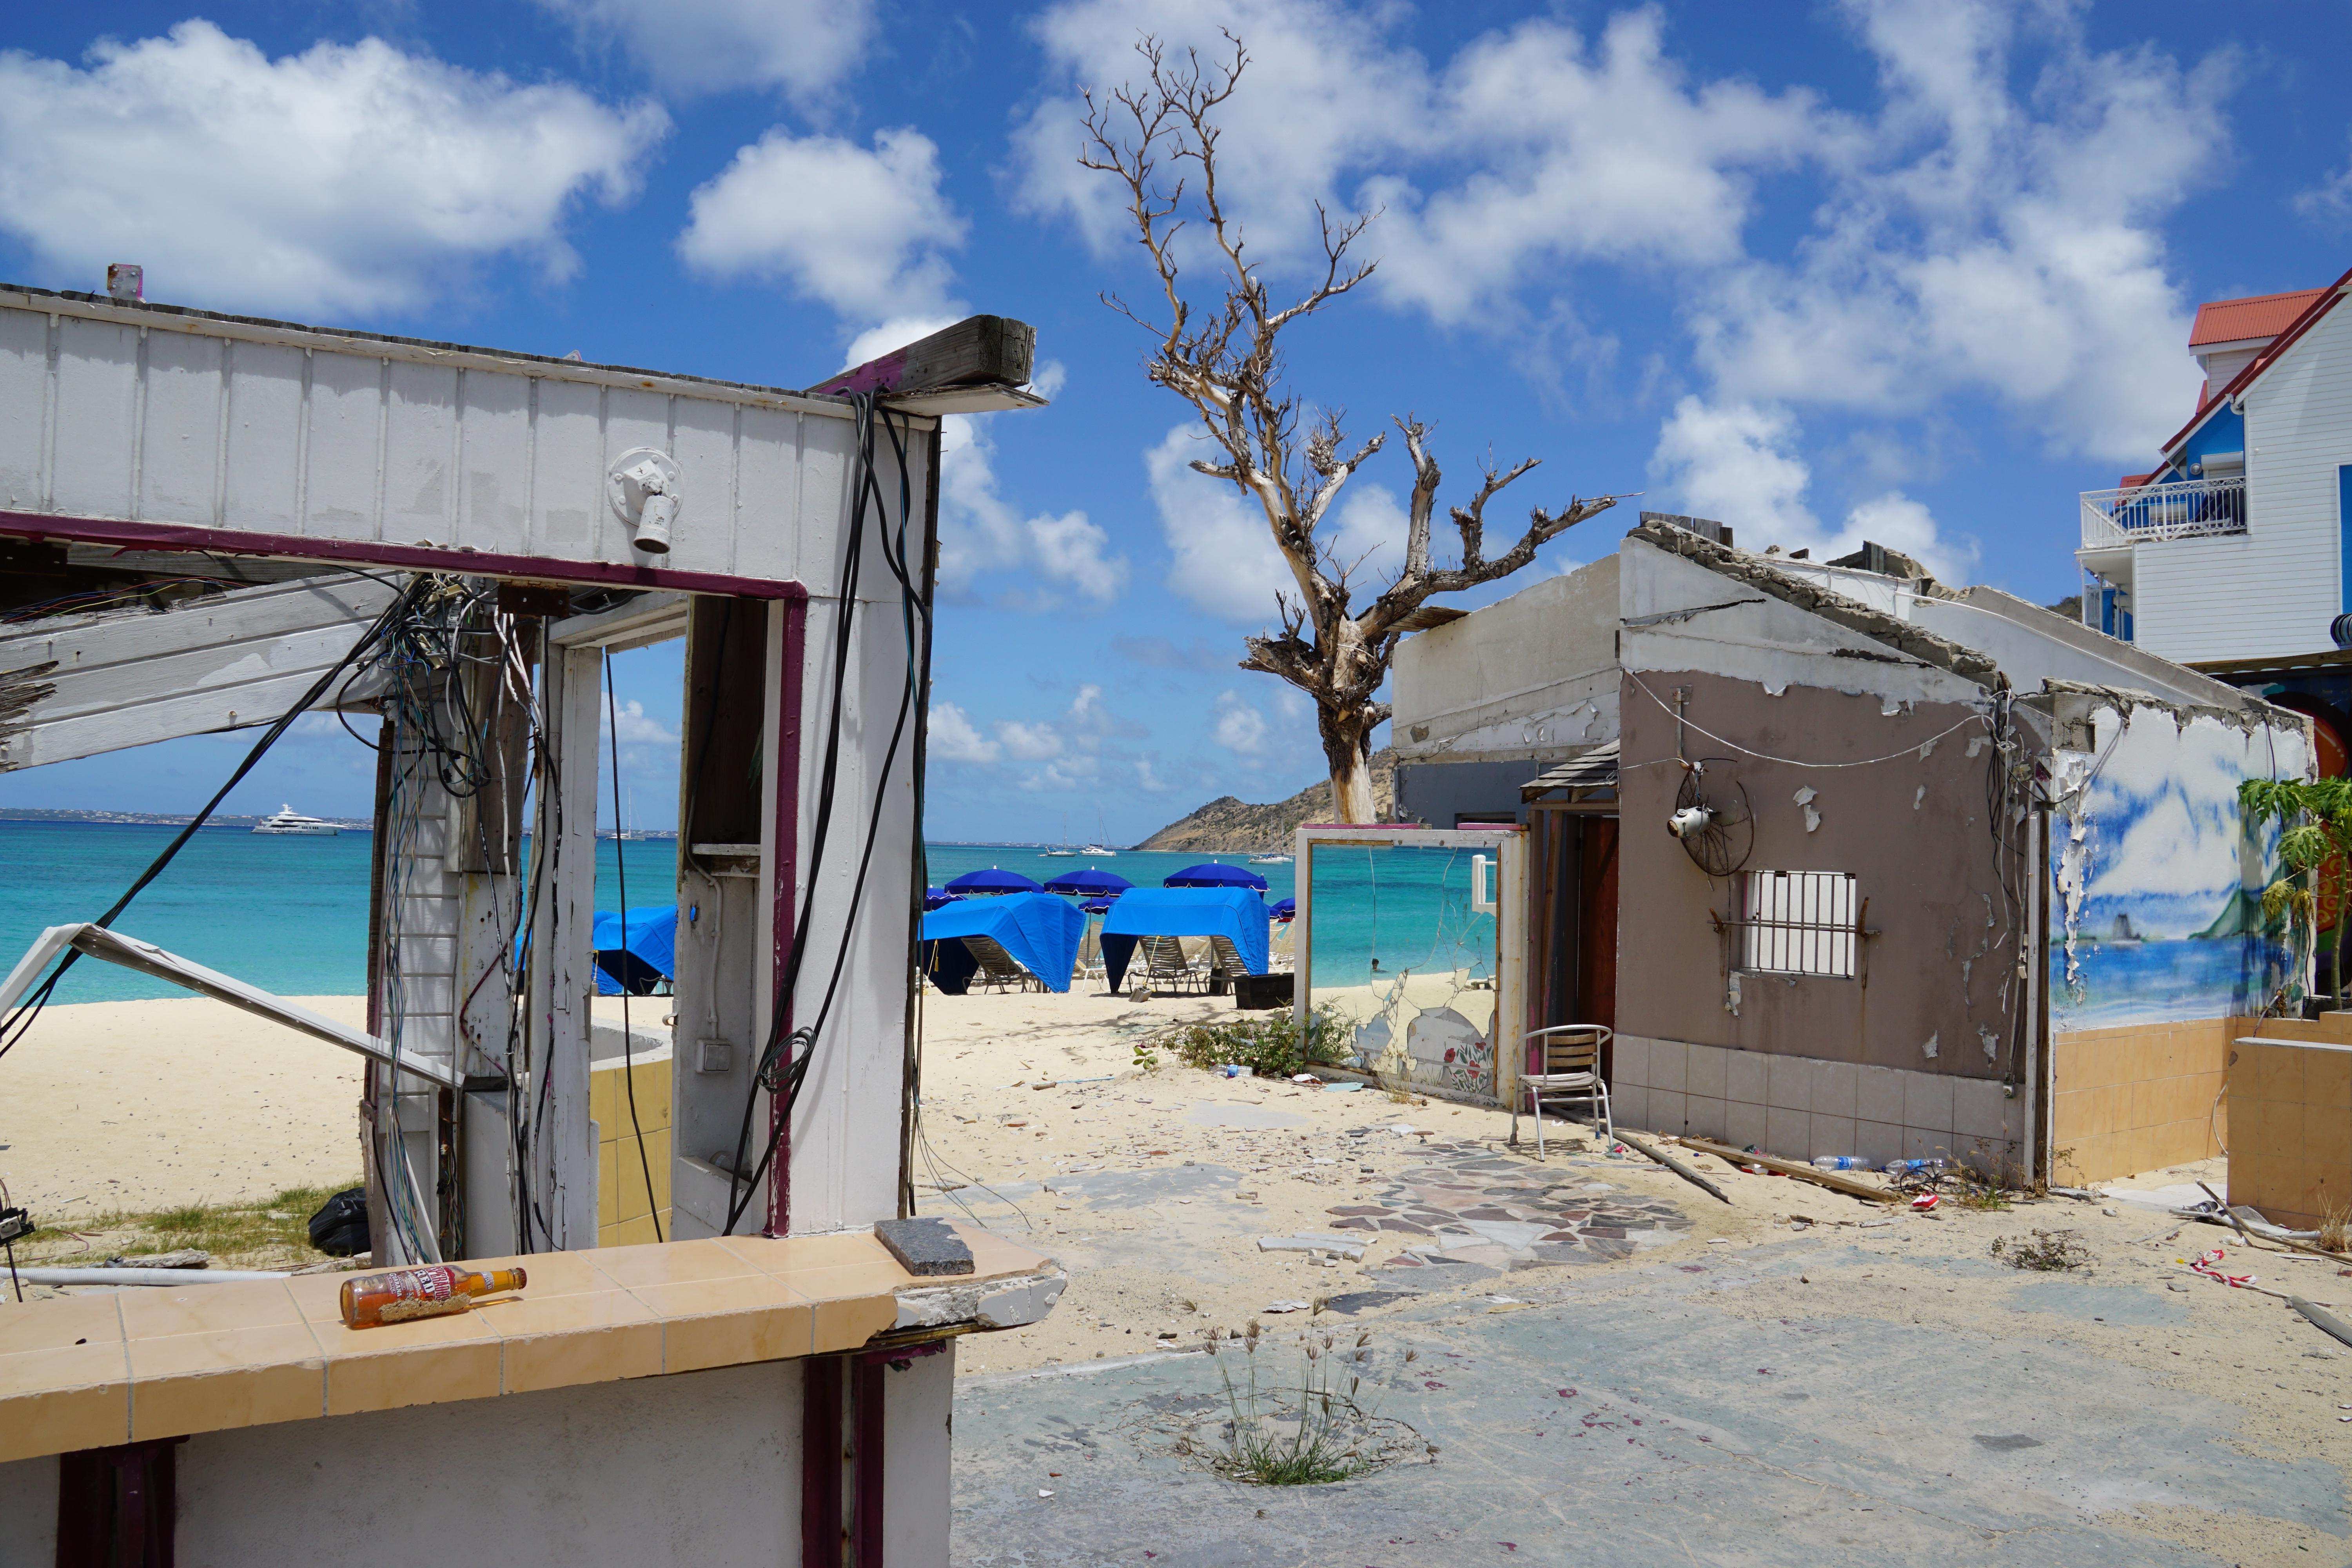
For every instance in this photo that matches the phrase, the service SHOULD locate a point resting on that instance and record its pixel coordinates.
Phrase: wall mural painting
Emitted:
(2156, 887)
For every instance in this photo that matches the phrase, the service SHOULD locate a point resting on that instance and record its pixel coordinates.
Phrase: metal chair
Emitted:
(1571, 1072)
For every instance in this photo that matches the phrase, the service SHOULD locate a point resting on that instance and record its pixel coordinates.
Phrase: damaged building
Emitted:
(279, 518)
(1854, 863)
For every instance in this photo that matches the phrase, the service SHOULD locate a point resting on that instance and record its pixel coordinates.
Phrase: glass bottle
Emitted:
(372, 1299)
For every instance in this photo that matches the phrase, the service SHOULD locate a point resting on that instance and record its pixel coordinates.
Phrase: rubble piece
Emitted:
(1347, 1246)
(2322, 1319)
(1829, 1179)
(925, 1246)
(1671, 1164)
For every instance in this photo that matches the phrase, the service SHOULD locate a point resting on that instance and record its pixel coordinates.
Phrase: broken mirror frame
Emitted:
(1429, 1017)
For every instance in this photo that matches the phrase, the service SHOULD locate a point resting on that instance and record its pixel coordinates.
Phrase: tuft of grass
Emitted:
(2050, 1252)
(2335, 1222)
(1271, 1045)
(1312, 1434)
(273, 1232)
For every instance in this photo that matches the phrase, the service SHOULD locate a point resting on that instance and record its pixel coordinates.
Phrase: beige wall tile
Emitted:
(1743, 1077)
(59, 1400)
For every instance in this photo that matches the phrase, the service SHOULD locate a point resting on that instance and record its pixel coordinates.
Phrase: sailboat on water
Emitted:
(1098, 849)
(1064, 850)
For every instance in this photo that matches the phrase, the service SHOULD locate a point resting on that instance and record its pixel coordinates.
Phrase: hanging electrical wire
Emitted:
(786, 1057)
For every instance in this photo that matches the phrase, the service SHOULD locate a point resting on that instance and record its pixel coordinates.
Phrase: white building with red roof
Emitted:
(2234, 547)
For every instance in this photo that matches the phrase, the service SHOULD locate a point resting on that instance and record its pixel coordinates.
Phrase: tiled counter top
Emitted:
(86, 1371)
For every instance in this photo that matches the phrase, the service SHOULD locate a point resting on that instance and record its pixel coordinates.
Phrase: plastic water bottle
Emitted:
(1841, 1163)
(1911, 1167)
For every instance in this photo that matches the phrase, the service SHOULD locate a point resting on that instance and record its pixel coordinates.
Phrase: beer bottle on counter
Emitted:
(371, 1300)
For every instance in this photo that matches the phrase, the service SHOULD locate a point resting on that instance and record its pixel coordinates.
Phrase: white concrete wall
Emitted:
(700, 1467)
(1756, 638)
(2274, 589)
(1532, 677)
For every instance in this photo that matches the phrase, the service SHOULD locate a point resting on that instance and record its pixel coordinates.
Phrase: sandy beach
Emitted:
(150, 1105)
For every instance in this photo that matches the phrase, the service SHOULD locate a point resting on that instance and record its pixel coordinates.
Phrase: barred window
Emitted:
(1798, 922)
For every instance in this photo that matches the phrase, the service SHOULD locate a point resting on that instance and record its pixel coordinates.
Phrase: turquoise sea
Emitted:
(289, 914)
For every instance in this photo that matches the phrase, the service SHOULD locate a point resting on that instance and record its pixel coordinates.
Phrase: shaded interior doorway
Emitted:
(1572, 924)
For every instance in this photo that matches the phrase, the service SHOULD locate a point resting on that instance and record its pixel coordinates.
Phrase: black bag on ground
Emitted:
(340, 1228)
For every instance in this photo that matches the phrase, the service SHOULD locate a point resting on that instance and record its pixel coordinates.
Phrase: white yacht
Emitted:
(286, 819)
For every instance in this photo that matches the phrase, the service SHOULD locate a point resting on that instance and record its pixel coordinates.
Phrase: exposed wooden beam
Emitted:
(76, 686)
(979, 351)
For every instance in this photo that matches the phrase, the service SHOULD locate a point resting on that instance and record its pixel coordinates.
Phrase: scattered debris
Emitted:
(1676, 1166)
(2049, 1251)
(1829, 1179)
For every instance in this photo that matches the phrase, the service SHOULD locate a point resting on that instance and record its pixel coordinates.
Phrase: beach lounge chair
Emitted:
(1571, 1072)
(1165, 967)
(999, 970)
(1225, 961)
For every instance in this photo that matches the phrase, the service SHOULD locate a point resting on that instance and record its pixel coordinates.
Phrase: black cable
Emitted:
(19, 1022)
(621, 871)
(780, 1070)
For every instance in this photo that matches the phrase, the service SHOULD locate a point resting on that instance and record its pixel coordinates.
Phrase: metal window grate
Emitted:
(1800, 922)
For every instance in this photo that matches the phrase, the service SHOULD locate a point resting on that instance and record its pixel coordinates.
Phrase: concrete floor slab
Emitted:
(1639, 1420)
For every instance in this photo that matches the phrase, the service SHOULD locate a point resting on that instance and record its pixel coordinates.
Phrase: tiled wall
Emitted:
(2291, 1115)
(1799, 1108)
(624, 1212)
(2140, 1098)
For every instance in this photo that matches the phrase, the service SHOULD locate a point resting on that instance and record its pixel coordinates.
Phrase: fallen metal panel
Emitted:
(94, 941)
(76, 686)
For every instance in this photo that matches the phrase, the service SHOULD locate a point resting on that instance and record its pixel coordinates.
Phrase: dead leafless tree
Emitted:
(1225, 363)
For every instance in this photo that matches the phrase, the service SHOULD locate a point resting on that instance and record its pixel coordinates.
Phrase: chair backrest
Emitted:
(1228, 956)
(997, 967)
(1165, 955)
(1572, 1048)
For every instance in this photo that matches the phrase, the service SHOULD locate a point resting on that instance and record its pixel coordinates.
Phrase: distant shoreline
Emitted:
(226, 819)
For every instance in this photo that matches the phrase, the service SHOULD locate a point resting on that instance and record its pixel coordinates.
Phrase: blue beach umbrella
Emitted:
(993, 882)
(1213, 875)
(1089, 882)
(934, 897)
(1286, 910)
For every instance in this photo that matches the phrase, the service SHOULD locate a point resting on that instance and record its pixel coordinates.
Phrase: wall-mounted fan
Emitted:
(1712, 820)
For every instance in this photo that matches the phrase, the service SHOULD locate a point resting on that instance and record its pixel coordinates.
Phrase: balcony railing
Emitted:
(2192, 509)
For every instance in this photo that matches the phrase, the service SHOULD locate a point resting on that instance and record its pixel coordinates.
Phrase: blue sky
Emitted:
(1914, 270)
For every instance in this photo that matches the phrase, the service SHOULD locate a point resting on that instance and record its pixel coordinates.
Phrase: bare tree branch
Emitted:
(1160, 138)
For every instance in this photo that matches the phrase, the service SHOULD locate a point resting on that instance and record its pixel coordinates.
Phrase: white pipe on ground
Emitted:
(141, 1276)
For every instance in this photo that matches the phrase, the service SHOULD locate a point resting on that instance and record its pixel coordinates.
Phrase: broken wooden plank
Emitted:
(75, 686)
(979, 351)
(94, 941)
(1829, 1179)
(1671, 1164)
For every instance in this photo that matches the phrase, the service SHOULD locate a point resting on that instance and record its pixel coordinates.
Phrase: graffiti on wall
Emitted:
(2156, 887)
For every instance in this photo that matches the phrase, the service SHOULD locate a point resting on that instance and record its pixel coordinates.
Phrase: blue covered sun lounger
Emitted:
(1237, 914)
(1039, 931)
(649, 957)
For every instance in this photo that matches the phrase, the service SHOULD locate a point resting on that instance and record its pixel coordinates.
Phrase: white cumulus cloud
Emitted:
(346, 178)
(1224, 561)
(981, 532)
(1736, 463)
(1028, 742)
(805, 47)
(1237, 726)
(861, 229)
(952, 736)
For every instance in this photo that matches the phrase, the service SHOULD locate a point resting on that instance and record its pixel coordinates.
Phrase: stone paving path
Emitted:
(1504, 1214)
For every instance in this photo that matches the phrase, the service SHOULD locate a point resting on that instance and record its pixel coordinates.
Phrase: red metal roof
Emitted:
(2316, 304)
(2258, 316)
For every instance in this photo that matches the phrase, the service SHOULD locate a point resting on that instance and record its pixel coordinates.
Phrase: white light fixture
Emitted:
(1690, 819)
(643, 488)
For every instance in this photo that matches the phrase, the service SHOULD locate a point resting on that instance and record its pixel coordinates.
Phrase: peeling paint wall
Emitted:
(1533, 677)
(1942, 970)
(2156, 903)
